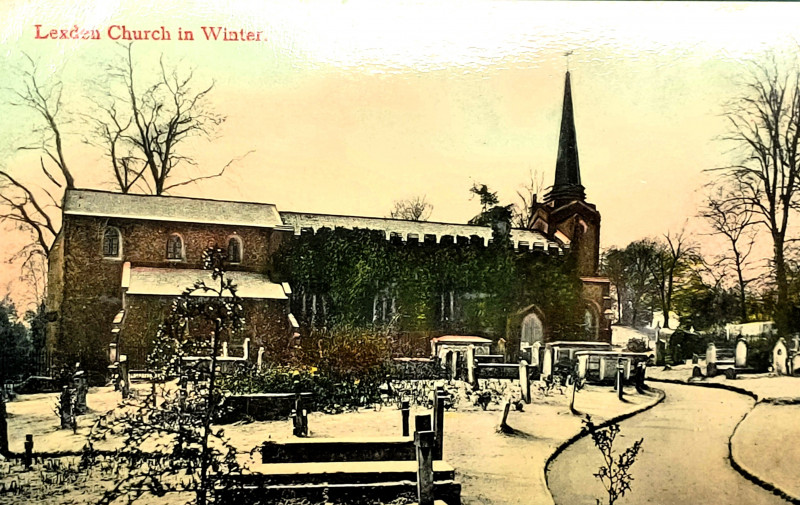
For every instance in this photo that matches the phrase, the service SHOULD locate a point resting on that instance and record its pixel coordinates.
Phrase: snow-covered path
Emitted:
(684, 458)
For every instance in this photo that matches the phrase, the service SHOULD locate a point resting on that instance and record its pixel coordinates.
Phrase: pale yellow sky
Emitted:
(350, 106)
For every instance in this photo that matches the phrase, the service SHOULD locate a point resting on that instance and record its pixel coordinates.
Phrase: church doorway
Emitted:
(531, 338)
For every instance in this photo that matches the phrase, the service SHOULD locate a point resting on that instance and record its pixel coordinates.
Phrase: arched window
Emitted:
(111, 243)
(235, 250)
(174, 247)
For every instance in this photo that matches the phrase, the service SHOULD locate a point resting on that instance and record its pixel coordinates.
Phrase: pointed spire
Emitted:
(567, 185)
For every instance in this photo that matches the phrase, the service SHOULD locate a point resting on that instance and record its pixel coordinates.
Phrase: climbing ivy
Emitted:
(347, 269)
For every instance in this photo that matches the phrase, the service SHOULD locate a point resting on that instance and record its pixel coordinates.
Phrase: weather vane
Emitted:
(567, 55)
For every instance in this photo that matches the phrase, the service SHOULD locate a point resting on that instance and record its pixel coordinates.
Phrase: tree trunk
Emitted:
(3, 426)
(782, 306)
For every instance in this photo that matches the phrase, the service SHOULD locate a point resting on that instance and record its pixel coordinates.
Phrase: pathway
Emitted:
(684, 458)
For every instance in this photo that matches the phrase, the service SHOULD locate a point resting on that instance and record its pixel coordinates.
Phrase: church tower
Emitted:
(569, 215)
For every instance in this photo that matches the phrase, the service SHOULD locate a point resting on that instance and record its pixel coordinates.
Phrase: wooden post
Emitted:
(3, 424)
(438, 423)
(504, 427)
(422, 422)
(620, 378)
(125, 383)
(424, 442)
(28, 459)
(405, 411)
(524, 381)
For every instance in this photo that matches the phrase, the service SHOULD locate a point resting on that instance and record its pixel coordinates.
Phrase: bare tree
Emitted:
(144, 126)
(24, 202)
(733, 221)
(669, 260)
(412, 209)
(765, 129)
(524, 211)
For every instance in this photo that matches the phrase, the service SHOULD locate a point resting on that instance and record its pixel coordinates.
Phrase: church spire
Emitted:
(567, 185)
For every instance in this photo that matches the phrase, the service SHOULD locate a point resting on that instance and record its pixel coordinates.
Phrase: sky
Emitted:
(347, 107)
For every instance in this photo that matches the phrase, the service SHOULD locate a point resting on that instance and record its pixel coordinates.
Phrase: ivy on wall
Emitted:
(348, 269)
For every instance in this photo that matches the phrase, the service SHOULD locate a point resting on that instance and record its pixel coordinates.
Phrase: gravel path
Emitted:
(684, 458)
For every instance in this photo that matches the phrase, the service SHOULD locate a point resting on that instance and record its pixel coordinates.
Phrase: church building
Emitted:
(120, 259)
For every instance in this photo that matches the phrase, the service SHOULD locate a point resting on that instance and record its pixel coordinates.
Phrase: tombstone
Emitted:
(535, 350)
(28, 458)
(438, 422)
(65, 407)
(471, 364)
(779, 357)
(661, 352)
(260, 358)
(711, 353)
(224, 349)
(583, 366)
(524, 382)
(405, 411)
(547, 362)
(602, 368)
(454, 365)
(740, 357)
(795, 364)
(81, 387)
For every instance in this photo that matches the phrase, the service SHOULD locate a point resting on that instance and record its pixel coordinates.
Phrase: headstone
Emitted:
(547, 362)
(260, 357)
(583, 365)
(535, 349)
(471, 364)
(711, 353)
(524, 382)
(740, 357)
(224, 349)
(65, 407)
(796, 364)
(454, 365)
(602, 369)
(779, 357)
(504, 427)
(80, 386)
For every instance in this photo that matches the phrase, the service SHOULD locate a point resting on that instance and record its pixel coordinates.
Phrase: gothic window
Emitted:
(174, 247)
(235, 250)
(111, 243)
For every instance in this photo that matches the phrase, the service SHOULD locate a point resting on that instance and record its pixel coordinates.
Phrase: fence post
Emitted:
(125, 382)
(524, 381)
(3, 424)
(424, 442)
(422, 422)
(28, 460)
(438, 422)
(405, 410)
(504, 427)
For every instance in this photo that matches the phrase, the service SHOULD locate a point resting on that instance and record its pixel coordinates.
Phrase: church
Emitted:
(120, 259)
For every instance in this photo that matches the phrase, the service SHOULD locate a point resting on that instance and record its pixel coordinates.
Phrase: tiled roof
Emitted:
(174, 281)
(170, 208)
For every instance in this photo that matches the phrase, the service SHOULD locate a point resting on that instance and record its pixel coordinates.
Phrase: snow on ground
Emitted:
(767, 444)
(492, 467)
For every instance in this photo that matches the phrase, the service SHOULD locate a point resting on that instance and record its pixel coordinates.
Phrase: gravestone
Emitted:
(779, 357)
(711, 359)
(535, 351)
(547, 362)
(740, 357)
(80, 387)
